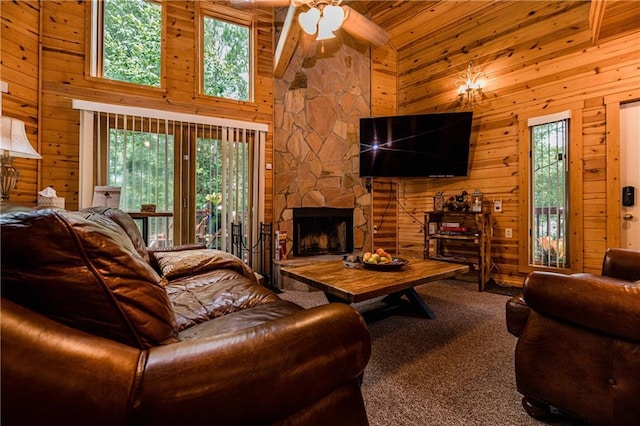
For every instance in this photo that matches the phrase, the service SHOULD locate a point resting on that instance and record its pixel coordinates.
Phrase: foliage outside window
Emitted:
(131, 41)
(140, 157)
(142, 164)
(549, 194)
(222, 184)
(226, 59)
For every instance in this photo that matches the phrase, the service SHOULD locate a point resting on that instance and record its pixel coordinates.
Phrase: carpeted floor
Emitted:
(454, 370)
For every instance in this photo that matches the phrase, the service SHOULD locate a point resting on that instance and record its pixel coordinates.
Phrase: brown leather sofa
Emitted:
(97, 330)
(578, 350)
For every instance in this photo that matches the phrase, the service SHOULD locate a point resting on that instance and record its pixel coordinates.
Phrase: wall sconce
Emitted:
(470, 86)
(13, 143)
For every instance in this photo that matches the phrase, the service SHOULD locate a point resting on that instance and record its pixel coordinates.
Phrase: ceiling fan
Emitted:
(323, 18)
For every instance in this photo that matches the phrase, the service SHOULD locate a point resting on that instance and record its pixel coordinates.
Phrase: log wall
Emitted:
(532, 82)
(20, 70)
(45, 55)
(548, 64)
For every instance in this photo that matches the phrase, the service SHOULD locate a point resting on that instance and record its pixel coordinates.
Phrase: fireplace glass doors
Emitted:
(322, 230)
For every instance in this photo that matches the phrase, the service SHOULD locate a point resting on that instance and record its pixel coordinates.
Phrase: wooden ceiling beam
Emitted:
(286, 43)
(596, 15)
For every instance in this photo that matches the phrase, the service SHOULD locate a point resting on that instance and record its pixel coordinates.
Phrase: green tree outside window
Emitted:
(226, 59)
(132, 41)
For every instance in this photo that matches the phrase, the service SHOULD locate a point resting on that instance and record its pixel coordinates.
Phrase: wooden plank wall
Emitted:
(384, 223)
(529, 83)
(20, 70)
(63, 66)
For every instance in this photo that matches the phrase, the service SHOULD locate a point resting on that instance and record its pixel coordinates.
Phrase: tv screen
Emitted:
(423, 145)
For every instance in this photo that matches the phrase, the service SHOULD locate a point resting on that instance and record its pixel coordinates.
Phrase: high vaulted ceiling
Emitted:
(420, 28)
(407, 22)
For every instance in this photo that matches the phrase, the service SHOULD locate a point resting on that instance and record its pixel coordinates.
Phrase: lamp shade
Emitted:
(13, 138)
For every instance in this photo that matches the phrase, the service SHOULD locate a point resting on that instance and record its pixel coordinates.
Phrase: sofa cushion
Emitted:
(85, 274)
(241, 320)
(212, 294)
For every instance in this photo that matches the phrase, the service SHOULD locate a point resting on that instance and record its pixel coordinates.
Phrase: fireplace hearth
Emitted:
(322, 230)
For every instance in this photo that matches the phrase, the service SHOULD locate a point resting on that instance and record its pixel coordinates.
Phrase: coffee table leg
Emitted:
(394, 300)
(415, 298)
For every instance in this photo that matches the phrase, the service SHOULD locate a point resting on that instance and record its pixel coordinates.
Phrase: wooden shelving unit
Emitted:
(469, 244)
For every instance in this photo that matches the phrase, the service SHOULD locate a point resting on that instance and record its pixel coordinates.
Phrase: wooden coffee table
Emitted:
(350, 285)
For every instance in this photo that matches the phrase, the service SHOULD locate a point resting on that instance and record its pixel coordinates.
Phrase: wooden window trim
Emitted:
(575, 233)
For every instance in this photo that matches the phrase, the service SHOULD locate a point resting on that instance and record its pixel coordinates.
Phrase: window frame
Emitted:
(232, 16)
(94, 67)
(574, 189)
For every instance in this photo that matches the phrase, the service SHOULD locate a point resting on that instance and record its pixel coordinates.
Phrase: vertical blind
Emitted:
(204, 171)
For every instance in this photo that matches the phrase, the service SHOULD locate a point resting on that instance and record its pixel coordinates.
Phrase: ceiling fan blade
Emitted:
(246, 4)
(361, 27)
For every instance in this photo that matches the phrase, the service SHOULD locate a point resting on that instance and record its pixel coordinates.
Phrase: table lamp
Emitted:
(13, 143)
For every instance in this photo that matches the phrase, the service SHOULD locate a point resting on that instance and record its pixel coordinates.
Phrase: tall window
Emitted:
(226, 58)
(549, 192)
(127, 40)
(223, 191)
(205, 171)
(138, 156)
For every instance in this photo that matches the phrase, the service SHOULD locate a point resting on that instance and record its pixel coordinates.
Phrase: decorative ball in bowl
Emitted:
(382, 261)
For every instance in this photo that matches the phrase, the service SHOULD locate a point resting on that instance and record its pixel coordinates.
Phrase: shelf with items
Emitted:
(460, 237)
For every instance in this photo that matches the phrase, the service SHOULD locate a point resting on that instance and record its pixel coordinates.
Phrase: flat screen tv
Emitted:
(422, 145)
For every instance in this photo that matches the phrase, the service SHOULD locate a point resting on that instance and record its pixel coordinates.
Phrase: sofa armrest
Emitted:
(54, 374)
(517, 313)
(622, 263)
(256, 375)
(604, 304)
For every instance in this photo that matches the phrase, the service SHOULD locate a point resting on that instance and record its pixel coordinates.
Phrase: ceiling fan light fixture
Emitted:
(309, 20)
(333, 15)
(324, 30)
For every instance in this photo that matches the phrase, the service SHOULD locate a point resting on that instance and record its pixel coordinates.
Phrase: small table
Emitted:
(144, 216)
(350, 285)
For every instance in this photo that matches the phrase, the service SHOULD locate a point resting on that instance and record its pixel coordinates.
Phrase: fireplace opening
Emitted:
(322, 230)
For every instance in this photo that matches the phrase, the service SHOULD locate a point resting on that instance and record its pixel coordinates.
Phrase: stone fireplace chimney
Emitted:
(318, 106)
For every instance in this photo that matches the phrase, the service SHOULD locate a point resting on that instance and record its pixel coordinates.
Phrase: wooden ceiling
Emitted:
(417, 28)
(409, 21)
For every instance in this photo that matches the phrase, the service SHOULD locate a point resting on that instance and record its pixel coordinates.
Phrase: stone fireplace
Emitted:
(322, 230)
(318, 104)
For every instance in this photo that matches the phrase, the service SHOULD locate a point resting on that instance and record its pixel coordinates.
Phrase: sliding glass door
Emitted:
(203, 174)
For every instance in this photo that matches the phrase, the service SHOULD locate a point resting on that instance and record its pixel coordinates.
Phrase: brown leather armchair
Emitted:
(578, 350)
(93, 335)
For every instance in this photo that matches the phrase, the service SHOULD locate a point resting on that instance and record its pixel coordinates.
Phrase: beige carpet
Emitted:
(454, 370)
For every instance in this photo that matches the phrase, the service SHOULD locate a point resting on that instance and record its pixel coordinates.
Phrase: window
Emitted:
(204, 170)
(550, 190)
(226, 57)
(549, 193)
(127, 41)
(140, 156)
(223, 158)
